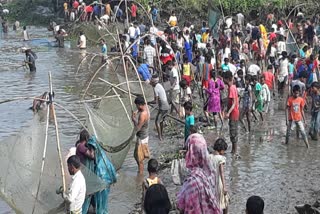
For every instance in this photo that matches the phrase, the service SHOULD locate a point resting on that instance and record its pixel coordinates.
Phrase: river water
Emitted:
(283, 175)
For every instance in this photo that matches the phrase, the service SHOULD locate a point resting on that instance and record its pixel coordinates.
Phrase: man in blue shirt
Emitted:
(143, 71)
(134, 49)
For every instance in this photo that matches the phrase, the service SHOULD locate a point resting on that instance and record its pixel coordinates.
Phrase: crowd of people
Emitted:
(233, 76)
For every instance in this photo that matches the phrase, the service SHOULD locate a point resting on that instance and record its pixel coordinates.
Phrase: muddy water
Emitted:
(63, 64)
(283, 175)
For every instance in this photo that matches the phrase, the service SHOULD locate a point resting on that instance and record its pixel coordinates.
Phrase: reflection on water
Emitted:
(283, 175)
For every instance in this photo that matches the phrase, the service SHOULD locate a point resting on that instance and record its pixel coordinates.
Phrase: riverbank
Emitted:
(283, 175)
(36, 13)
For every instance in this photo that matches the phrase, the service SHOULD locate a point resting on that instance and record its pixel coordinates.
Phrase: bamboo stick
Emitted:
(124, 107)
(125, 70)
(69, 112)
(43, 159)
(81, 63)
(96, 99)
(140, 83)
(58, 138)
(115, 86)
(21, 98)
(95, 74)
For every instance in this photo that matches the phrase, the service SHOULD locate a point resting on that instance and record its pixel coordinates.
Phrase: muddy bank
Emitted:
(283, 175)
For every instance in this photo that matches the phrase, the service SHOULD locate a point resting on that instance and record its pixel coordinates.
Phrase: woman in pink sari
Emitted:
(213, 104)
(197, 195)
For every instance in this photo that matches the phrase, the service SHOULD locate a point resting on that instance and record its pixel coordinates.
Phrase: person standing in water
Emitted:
(30, 59)
(82, 44)
(233, 110)
(141, 120)
(295, 115)
(104, 51)
(76, 193)
(26, 36)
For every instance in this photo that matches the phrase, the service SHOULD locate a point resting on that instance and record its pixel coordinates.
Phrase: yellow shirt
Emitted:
(186, 69)
(205, 37)
(173, 21)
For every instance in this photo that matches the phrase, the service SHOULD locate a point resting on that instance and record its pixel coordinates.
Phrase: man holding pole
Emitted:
(141, 120)
(76, 193)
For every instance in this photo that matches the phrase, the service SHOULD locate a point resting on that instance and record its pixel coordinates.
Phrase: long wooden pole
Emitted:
(125, 71)
(43, 158)
(140, 82)
(57, 136)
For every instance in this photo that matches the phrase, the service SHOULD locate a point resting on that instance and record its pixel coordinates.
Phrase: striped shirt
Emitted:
(149, 54)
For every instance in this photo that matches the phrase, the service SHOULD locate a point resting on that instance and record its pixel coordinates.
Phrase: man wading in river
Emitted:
(141, 120)
(30, 59)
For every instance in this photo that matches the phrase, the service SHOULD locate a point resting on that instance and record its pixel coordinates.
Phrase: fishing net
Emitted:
(291, 44)
(135, 87)
(111, 123)
(21, 159)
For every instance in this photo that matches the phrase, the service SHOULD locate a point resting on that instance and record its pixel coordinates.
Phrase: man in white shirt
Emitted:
(82, 41)
(173, 20)
(175, 87)
(76, 193)
(162, 101)
(240, 19)
(153, 30)
(149, 54)
(132, 31)
(253, 70)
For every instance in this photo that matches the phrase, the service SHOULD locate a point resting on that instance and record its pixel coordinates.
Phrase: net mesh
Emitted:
(21, 158)
(112, 126)
(135, 87)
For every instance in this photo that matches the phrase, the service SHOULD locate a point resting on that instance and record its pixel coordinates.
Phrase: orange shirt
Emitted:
(268, 79)
(295, 106)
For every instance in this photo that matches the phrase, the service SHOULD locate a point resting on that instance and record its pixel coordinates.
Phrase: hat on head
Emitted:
(24, 49)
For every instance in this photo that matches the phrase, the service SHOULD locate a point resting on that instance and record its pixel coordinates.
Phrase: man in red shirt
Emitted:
(75, 4)
(133, 11)
(233, 110)
(269, 78)
(272, 35)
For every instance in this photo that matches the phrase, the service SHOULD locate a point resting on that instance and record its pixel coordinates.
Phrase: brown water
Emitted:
(283, 175)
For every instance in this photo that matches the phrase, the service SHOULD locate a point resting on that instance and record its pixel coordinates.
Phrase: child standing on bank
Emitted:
(218, 161)
(189, 119)
(295, 115)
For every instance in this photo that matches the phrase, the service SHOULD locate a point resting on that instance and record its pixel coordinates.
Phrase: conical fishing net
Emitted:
(21, 159)
(135, 87)
(111, 122)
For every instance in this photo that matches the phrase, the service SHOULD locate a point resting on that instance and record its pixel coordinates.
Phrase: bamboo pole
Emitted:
(95, 74)
(69, 112)
(21, 98)
(124, 107)
(125, 70)
(115, 86)
(43, 158)
(140, 83)
(58, 137)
